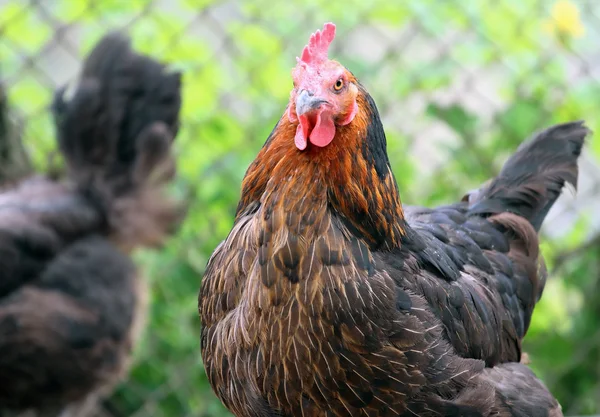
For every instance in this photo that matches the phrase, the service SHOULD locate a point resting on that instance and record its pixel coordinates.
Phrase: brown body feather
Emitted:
(328, 299)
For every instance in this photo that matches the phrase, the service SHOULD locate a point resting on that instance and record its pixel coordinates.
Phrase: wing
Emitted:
(481, 277)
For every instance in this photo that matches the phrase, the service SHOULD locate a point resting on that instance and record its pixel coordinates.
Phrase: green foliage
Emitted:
(236, 84)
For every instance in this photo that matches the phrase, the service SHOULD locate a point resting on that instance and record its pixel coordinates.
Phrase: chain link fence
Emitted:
(458, 84)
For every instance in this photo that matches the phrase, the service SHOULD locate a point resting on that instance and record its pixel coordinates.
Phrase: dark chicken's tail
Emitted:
(534, 176)
(115, 128)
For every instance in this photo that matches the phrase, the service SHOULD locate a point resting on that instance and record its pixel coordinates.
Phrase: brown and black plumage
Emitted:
(329, 298)
(71, 303)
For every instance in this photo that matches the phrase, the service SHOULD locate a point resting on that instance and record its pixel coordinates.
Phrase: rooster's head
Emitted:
(324, 94)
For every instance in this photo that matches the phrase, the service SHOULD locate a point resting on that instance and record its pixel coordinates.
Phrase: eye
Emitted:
(338, 84)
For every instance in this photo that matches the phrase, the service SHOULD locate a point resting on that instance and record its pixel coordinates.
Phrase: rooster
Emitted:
(329, 298)
(71, 302)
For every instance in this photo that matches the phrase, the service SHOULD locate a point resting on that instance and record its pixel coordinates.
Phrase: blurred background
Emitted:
(459, 85)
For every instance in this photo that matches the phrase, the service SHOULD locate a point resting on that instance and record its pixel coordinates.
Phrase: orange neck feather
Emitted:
(351, 176)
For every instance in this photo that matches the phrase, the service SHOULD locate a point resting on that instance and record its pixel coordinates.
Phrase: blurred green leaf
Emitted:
(456, 117)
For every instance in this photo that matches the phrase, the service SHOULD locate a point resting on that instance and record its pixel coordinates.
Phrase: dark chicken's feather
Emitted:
(328, 299)
(71, 305)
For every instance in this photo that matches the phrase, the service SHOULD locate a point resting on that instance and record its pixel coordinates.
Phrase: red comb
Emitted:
(316, 50)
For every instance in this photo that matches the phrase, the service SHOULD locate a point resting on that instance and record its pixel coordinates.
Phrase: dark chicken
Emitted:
(71, 303)
(328, 298)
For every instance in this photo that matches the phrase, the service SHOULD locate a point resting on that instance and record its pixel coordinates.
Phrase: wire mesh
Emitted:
(458, 84)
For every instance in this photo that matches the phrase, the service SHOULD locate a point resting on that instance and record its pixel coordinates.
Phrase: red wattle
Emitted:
(301, 135)
(318, 128)
(324, 130)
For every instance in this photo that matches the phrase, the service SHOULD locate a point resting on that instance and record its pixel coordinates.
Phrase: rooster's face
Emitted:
(324, 94)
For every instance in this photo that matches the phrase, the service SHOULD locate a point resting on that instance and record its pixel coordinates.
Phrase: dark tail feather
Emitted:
(534, 176)
(115, 127)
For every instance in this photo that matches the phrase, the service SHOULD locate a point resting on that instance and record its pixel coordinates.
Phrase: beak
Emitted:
(306, 101)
